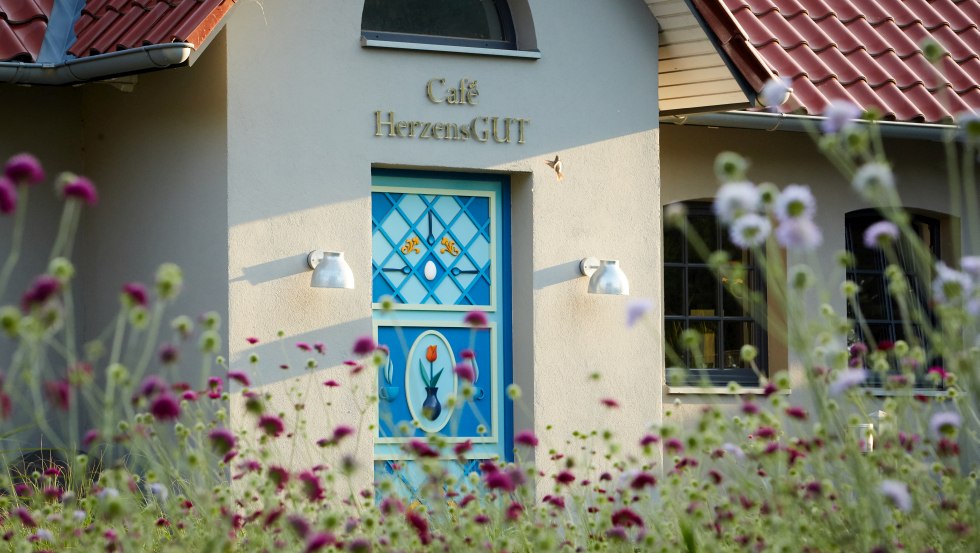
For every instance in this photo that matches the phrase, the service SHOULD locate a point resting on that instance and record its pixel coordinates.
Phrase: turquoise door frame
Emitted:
(440, 249)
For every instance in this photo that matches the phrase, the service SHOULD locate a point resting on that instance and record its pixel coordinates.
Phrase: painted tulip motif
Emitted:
(431, 408)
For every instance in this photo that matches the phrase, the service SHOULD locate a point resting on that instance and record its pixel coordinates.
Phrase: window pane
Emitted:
(673, 246)
(872, 298)
(737, 334)
(674, 291)
(735, 294)
(702, 293)
(705, 226)
(709, 343)
(673, 330)
(881, 332)
(476, 19)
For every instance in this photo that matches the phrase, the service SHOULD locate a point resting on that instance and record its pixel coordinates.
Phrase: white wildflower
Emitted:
(880, 234)
(750, 230)
(971, 266)
(775, 92)
(795, 202)
(160, 491)
(799, 234)
(735, 199)
(873, 178)
(950, 284)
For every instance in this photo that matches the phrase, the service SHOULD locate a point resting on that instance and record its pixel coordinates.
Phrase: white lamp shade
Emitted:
(609, 279)
(330, 271)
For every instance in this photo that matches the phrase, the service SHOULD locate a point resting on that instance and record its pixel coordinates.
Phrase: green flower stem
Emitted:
(16, 241)
(64, 229)
(152, 338)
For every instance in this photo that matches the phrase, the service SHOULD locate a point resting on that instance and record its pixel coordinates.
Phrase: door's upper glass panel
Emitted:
(432, 249)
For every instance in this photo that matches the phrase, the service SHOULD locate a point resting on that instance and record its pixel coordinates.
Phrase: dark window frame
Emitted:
(717, 375)
(854, 224)
(506, 20)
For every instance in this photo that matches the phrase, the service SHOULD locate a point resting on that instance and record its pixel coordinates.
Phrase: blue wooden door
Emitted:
(441, 248)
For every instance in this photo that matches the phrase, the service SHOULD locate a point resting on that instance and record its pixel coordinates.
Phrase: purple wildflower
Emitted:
(81, 189)
(169, 354)
(421, 449)
(944, 423)
(898, 494)
(636, 309)
(498, 480)
(319, 541)
(775, 93)
(312, 487)
(165, 407)
(58, 393)
(799, 233)
(873, 178)
(24, 169)
(846, 380)
(8, 196)
(839, 115)
(151, 386)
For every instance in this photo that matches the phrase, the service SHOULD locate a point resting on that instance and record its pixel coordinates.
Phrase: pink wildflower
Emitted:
(169, 354)
(240, 377)
(610, 402)
(82, 189)
(342, 432)
(89, 437)
(25, 517)
(364, 345)
(278, 476)
(135, 294)
(304, 346)
(421, 526)
(555, 501)
(222, 440)
(527, 438)
(58, 393)
(319, 541)
(331, 383)
(643, 480)
(311, 486)
(151, 386)
(565, 477)
(796, 412)
(468, 354)
(271, 425)
(465, 371)
(421, 449)
(320, 348)
(514, 511)
(476, 319)
(673, 445)
(8, 196)
(165, 407)
(626, 518)
(215, 387)
(252, 340)
(462, 448)
(498, 480)
(43, 288)
(299, 525)
(24, 169)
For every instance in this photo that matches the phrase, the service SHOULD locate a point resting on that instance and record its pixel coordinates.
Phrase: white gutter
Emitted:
(803, 123)
(98, 67)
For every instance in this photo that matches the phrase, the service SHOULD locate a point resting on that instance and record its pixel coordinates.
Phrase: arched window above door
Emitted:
(465, 26)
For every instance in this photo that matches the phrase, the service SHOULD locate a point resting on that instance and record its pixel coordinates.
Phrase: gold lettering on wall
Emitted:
(482, 128)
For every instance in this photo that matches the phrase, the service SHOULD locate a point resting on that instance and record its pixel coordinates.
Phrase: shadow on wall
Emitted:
(273, 270)
(556, 274)
(291, 360)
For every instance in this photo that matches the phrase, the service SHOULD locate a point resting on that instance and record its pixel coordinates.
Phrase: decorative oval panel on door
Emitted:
(430, 381)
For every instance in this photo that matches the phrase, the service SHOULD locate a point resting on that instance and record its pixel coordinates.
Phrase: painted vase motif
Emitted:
(431, 408)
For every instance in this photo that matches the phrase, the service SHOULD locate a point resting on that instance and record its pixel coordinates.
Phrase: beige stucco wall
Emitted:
(783, 158)
(157, 156)
(301, 145)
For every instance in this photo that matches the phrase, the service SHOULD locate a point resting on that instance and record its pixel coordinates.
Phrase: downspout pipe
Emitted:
(804, 123)
(98, 67)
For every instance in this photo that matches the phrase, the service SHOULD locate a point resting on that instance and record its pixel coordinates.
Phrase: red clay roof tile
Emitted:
(22, 27)
(111, 25)
(866, 51)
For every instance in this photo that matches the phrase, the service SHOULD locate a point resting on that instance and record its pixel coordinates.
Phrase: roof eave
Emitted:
(99, 67)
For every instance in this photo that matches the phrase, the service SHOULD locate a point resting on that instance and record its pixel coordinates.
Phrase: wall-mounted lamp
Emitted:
(329, 270)
(606, 276)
